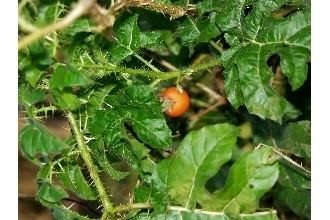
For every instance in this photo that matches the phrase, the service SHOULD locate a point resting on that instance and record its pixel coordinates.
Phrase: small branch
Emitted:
(25, 25)
(81, 8)
(278, 152)
(197, 116)
(84, 151)
(149, 73)
(174, 11)
(209, 91)
(45, 109)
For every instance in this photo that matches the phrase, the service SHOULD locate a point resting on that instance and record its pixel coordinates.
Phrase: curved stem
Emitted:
(151, 73)
(84, 151)
(80, 9)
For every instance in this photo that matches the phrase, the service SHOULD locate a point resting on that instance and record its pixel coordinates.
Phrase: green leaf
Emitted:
(68, 76)
(248, 78)
(172, 45)
(198, 30)
(198, 158)
(100, 156)
(28, 96)
(208, 6)
(124, 151)
(32, 76)
(35, 138)
(297, 139)
(45, 172)
(79, 25)
(49, 13)
(66, 214)
(72, 178)
(139, 106)
(186, 214)
(50, 193)
(249, 179)
(96, 98)
(129, 39)
(66, 100)
(142, 194)
(39, 56)
(294, 191)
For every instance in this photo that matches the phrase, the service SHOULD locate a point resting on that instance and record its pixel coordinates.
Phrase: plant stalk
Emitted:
(80, 8)
(151, 73)
(84, 151)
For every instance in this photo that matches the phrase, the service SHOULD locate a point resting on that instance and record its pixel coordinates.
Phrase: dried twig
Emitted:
(80, 9)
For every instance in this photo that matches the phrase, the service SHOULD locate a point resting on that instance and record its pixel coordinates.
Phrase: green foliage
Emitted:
(198, 158)
(297, 139)
(72, 178)
(129, 39)
(257, 173)
(138, 106)
(248, 78)
(66, 214)
(29, 96)
(67, 76)
(245, 64)
(49, 193)
(294, 191)
(192, 31)
(200, 215)
(35, 138)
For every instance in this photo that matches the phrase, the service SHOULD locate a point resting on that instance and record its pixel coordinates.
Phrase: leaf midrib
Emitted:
(197, 168)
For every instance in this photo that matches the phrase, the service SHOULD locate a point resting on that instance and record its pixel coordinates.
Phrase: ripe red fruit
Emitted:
(177, 101)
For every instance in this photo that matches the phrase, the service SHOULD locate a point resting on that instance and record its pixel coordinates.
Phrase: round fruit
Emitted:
(177, 102)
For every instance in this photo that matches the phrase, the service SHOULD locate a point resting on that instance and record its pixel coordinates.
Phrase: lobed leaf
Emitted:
(249, 179)
(248, 78)
(185, 214)
(28, 96)
(50, 193)
(138, 106)
(72, 178)
(297, 139)
(66, 214)
(101, 157)
(33, 75)
(193, 31)
(294, 191)
(65, 100)
(45, 172)
(129, 39)
(35, 138)
(68, 76)
(96, 98)
(198, 158)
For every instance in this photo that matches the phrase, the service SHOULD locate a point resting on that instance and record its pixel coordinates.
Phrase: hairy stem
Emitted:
(152, 73)
(134, 206)
(84, 151)
(81, 8)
